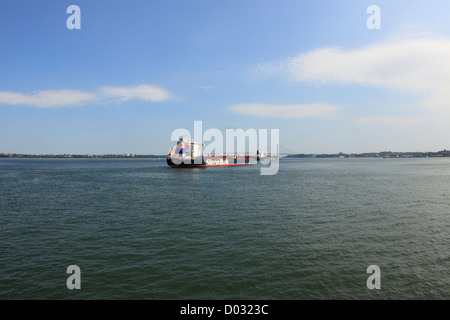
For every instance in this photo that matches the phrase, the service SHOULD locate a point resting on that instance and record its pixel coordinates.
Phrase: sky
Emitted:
(137, 70)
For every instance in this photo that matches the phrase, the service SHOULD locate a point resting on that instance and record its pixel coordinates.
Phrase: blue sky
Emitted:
(137, 70)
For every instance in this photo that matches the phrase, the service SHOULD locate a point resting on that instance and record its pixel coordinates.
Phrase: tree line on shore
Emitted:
(81, 156)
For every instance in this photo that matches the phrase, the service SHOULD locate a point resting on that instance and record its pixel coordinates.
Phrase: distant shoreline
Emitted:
(80, 156)
(383, 154)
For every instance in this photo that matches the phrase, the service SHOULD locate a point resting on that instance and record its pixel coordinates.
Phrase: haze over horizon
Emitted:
(138, 70)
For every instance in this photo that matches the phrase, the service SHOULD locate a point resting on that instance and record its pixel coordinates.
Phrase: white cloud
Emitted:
(63, 98)
(418, 65)
(286, 111)
(143, 92)
(47, 99)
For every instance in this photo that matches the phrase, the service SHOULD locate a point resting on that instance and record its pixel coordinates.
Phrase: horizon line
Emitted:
(130, 154)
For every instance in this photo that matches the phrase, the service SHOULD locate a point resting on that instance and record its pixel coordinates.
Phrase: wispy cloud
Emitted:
(144, 92)
(287, 111)
(418, 65)
(207, 87)
(47, 99)
(65, 98)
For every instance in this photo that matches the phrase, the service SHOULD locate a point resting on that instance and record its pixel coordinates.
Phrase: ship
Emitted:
(190, 155)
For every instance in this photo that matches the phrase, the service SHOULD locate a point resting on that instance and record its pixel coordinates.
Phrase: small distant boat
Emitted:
(190, 155)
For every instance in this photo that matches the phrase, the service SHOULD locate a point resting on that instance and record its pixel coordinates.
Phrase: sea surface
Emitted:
(138, 229)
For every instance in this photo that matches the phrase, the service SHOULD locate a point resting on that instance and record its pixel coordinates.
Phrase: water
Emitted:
(141, 230)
